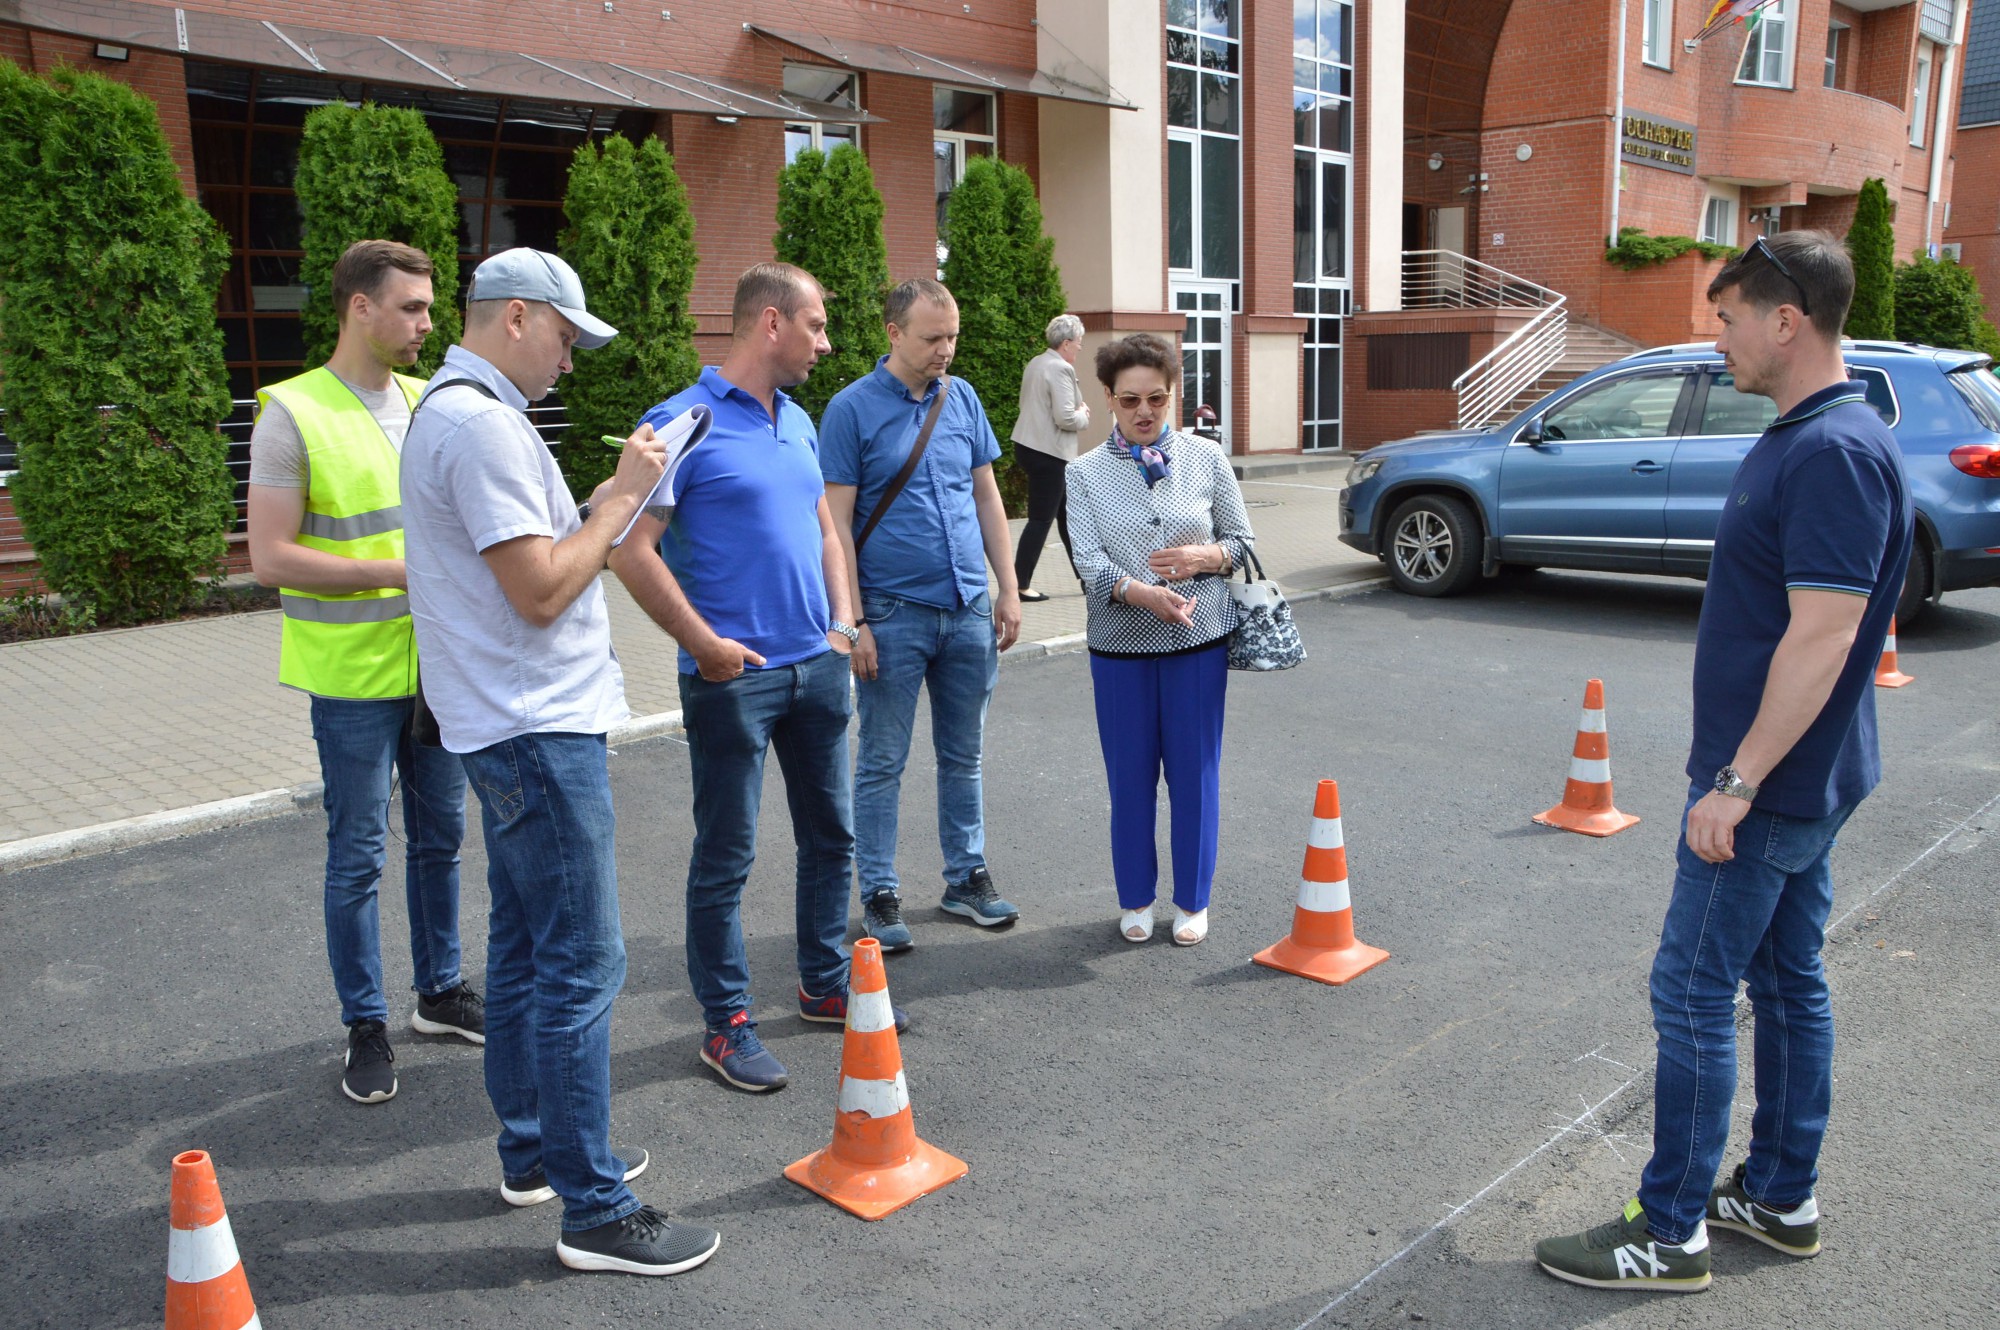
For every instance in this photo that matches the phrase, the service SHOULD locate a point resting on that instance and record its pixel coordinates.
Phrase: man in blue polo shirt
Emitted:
(1809, 559)
(750, 580)
(920, 579)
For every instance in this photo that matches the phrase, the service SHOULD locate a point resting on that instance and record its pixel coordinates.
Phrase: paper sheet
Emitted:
(680, 434)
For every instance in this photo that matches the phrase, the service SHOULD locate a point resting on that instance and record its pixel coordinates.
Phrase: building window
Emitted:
(1322, 204)
(821, 83)
(1658, 32)
(1767, 54)
(1204, 149)
(964, 125)
(1833, 55)
(1920, 96)
(1718, 222)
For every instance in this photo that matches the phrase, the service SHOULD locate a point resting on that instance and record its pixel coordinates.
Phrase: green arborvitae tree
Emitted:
(1001, 269)
(830, 224)
(631, 239)
(111, 358)
(375, 173)
(1871, 243)
(1938, 303)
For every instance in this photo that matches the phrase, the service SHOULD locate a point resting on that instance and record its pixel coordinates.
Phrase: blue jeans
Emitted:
(555, 959)
(955, 653)
(361, 744)
(1760, 917)
(1155, 713)
(800, 711)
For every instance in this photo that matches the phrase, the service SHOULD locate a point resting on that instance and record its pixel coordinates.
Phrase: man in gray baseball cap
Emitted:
(531, 275)
(517, 666)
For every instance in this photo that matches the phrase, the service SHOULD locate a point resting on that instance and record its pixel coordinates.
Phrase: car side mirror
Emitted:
(1532, 431)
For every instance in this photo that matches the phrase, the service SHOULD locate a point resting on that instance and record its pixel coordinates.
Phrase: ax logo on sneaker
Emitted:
(1737, 1212)
(1629, 1257)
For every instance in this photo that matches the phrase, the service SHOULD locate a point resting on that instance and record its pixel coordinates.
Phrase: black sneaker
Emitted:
(1795, 1232)
(533, 1188)
(882, 919)
(370, 1077)
(458, 1011)
(644, 1242)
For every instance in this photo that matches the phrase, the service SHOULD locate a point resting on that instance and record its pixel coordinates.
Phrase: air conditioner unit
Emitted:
(1953, 251)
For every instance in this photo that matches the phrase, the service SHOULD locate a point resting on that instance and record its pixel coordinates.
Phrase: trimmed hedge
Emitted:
(1938, 303)
(1635, 249)
(1002, 270)
(1871, 243)
(111, 360)
(830, 224)
(375, 173)
(631, 239)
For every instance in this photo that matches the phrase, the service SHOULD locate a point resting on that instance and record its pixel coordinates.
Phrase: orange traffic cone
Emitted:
(1887, 674)
(1586, 805)
(876, 1164)
(206, 1289)
(1322, 945)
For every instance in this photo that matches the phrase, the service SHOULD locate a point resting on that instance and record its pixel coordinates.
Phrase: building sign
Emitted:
(1651, 141)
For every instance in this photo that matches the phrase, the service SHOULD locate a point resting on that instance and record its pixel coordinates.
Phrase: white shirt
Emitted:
(476, 474)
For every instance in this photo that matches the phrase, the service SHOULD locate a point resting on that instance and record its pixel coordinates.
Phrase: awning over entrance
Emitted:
(883, 59)
(411, 63)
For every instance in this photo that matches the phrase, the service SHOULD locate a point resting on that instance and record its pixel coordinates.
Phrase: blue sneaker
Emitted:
(882, 919)
(740, 1058)
(832, 1009)
(976, 899)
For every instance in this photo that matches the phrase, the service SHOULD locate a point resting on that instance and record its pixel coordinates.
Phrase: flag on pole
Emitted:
(1726, 12)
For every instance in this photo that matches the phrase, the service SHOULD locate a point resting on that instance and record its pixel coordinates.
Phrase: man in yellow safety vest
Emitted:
(326, 527)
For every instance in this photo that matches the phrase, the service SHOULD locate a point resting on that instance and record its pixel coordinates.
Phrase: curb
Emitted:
(172, 824)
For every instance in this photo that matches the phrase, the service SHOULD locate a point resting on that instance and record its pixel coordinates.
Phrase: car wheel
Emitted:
(1433, 546)
(1916, 595)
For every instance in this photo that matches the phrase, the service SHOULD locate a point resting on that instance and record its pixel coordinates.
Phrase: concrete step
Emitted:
(1265, 466)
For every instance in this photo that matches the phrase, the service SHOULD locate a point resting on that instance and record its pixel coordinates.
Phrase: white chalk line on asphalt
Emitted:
(1590, 1110)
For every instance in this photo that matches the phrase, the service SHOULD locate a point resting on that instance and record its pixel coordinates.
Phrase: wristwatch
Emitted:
(846, 630)
(1728, 782)
(583, 511)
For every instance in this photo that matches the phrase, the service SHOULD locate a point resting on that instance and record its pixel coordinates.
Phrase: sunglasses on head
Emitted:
(1770, 256)
(1130, 401)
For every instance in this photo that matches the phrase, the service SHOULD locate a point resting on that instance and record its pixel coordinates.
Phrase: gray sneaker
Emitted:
(1624, 1254)
(976, 899)
(882, 919)
(644, 1242)
(1795, 1233)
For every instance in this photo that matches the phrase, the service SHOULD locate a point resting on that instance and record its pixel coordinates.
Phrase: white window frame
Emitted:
(1920, 93)
(815, 130)
(1833, 31)
(1656, 33)
(1777, 23)
(958, 139)
(1724, 234)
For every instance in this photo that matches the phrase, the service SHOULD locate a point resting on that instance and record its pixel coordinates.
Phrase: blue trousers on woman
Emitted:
(1154, 714)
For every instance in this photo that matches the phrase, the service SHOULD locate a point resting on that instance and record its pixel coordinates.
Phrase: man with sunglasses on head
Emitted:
(1810, 555)
(908, 456)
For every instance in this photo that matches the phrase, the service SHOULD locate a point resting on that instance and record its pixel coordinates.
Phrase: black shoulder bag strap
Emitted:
(423, 722)
(909, 466)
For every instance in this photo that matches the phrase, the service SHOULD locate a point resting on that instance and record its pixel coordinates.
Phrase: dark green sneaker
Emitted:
(1794, 1234)
(1625, 1254)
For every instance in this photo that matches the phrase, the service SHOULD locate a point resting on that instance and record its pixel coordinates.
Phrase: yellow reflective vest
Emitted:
(356, 644)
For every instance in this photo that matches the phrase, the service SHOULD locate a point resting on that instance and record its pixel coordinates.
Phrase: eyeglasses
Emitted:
(1770, 256)
(1130, 401)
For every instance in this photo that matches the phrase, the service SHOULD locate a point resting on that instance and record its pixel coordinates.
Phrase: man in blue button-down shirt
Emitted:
(927, 616)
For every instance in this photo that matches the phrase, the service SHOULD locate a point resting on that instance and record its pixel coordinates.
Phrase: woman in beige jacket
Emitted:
(1052, 413)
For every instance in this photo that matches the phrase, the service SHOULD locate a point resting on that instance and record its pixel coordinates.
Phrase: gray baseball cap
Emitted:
(529, 274)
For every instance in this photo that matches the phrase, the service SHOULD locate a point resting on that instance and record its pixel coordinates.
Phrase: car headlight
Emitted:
(1363, 469)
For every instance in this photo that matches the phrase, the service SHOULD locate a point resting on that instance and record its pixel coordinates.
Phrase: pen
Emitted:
(612, 440)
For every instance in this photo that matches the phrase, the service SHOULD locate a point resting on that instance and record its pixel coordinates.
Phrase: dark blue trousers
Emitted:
(1154, 713)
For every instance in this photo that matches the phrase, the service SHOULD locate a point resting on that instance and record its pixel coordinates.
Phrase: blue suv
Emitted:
(1625, 470)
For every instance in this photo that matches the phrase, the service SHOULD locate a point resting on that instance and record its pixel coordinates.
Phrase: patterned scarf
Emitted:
(1152, 460)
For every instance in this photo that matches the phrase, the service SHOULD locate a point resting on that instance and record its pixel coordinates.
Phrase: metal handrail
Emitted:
(1444, 279)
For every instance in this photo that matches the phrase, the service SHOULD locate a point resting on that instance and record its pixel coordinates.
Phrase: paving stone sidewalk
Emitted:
(124, 724)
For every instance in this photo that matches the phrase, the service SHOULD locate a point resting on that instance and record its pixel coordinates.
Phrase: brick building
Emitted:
(1974, 227)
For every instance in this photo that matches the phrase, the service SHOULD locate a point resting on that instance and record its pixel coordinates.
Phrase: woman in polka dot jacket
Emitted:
(1158, 524)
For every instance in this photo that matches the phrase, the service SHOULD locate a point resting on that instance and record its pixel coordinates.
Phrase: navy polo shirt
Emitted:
(1819, 503)
(927, 546)
(744, 541)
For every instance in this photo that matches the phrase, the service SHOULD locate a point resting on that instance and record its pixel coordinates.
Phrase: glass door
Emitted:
(1204, 350)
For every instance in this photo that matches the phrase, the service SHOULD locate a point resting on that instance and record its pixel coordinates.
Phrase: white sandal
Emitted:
(1189, 929)
(1137, 925)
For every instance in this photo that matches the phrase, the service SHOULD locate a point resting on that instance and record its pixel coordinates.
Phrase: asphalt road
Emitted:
(1157, 1137)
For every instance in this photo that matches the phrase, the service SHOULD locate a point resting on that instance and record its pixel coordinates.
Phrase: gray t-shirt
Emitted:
(475, 474)
(278, 455)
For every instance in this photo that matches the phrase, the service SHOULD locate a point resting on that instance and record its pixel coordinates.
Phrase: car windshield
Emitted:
(1980, 391)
